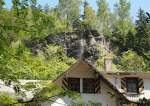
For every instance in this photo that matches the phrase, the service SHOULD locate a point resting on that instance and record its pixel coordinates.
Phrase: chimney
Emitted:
(107, 62)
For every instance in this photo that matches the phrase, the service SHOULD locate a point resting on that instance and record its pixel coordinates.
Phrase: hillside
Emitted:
(41, 42)
(73, 43)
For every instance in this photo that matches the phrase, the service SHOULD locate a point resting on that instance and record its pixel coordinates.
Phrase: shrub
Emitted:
(5, 100)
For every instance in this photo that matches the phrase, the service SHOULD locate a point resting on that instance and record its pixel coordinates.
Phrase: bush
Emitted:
(5, 99)
(130, 61)
(144, 102)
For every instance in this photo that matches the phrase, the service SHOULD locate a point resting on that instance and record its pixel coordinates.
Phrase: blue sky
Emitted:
(135, 5)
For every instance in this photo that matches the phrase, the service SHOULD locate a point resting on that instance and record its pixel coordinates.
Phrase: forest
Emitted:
(26, 24)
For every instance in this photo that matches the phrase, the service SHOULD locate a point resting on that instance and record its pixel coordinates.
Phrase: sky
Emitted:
(135, 5)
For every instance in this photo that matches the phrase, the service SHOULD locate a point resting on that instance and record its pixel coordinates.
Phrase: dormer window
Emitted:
(74, 84)
(88, 85)
(82, 85)
(132, 85)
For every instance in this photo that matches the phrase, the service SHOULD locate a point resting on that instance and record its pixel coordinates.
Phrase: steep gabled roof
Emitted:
(100, 75)
(74, 65)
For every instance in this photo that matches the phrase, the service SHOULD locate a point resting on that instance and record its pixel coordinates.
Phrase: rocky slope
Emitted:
(75, 44)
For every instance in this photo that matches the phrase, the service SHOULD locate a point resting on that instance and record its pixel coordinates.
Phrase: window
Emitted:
(74, 84)
(132, 85)
(88, 85)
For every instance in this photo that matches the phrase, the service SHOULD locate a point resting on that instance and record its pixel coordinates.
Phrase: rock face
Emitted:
(76, 44)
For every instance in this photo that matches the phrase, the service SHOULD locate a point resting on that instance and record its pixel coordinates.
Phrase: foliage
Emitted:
(122, 26)
(29, 86)
(122, 9)
(69, 11)
(137, 40)
(143, 102)
(94, 104)
(22, 64)
(5, 99)
(26, 21)
(90, 103)
(142, 37)
(103, 53)
(103, 16)
(100, 61)
(50, 90)
(130, 61)
(54, 64)
(1, 4)
(89, 16)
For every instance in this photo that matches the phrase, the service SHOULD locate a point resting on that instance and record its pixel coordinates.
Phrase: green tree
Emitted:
(122, 9)
(19, 26)
(139, 41)
(103, 18)
(130, 61)
(122, 26)
(69, 10)
(2, 3)
(19, 21)
(142, 37)
(89, 16)
(46, 65)
(42, 23)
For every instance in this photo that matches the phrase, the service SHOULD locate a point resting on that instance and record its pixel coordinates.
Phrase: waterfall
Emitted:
(82, 45)
(91, 39)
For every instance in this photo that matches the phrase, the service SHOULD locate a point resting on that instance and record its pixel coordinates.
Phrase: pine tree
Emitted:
(142, 38)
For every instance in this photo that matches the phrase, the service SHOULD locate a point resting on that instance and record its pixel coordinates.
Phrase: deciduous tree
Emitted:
(103, 16)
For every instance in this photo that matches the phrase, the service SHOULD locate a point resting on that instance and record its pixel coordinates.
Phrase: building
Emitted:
(105, 88)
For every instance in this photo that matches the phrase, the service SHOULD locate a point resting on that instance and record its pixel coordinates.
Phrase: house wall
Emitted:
(146, 91)
(79, 70)
(83, 70)
(116, 81)
(147, 88)
(104, 98)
